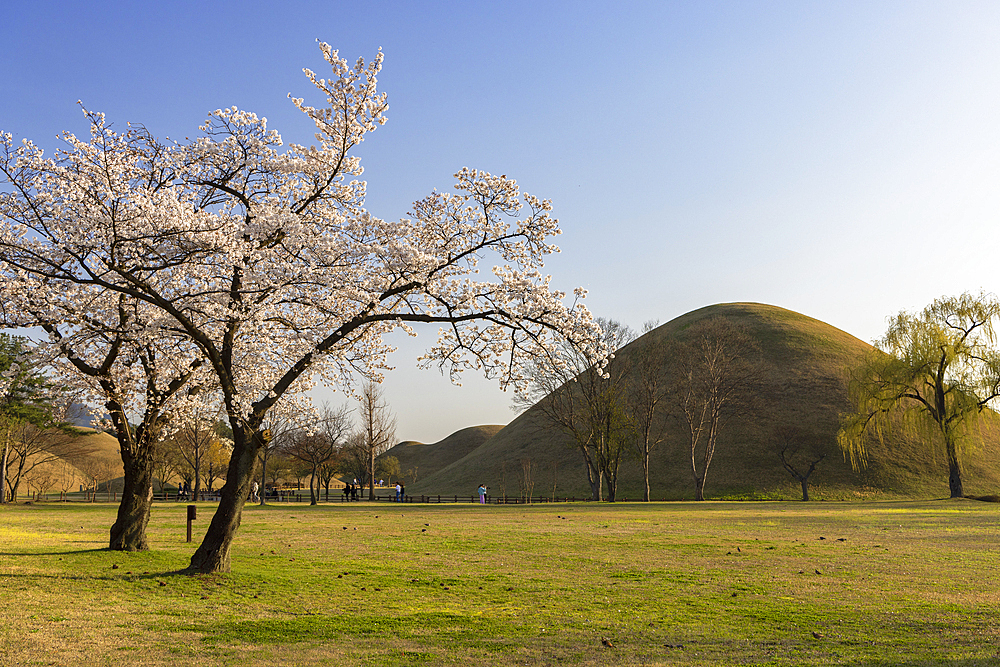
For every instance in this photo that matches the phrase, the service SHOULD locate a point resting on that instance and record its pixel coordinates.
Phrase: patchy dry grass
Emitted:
(891, 583)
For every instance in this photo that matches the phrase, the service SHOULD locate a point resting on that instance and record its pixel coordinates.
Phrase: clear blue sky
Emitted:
(839, 159)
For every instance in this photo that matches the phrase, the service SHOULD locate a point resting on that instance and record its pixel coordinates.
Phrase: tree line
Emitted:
(702, 382)
(43, 451)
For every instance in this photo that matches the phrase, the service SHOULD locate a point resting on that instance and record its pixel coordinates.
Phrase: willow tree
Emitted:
(935, 369)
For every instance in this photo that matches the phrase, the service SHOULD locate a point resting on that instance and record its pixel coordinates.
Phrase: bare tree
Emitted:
(378, 429)
(107, 472)
(800, 452)
(579, 395)
(193, 443)
(717, 373)
(527, 481)
(648, 394)
(68, 476)
(29, 448)
(321, 445)
(329, 470)
(279, 469)
(164, 464)
(42, 479)
(278, 431)
(216, 462)
(354, 457)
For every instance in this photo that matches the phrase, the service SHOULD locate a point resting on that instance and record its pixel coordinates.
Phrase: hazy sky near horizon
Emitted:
(840, 159)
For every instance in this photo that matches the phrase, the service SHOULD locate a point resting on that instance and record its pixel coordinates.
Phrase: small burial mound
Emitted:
(424, 459)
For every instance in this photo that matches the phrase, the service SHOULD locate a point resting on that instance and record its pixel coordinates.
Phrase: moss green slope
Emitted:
(428, 459)
(805, 387)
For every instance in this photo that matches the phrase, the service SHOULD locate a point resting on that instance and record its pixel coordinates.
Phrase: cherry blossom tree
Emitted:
(268, 264)
(114, 349)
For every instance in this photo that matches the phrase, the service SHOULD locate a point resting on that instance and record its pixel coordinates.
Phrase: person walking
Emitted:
(482, 494)
(399, 490)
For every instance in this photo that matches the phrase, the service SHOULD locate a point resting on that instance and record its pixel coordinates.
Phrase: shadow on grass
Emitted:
(435, 627)
(128, 575)
(930, 662)
(57, 553)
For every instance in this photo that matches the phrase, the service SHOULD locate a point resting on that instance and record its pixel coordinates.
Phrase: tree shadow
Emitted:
(56, 553)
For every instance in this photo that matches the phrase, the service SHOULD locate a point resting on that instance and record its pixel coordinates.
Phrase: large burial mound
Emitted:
(804, 393)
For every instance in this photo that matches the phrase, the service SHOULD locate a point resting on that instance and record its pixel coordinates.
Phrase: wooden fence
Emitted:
(303, 497)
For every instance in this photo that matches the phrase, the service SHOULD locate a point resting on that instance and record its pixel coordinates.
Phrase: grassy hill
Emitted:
(427, 459)
(65, 462)
(804, 389)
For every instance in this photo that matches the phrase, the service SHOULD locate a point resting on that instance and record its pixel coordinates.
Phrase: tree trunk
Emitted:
(213, 553)
(128, 533)
(594, 478)
(313, 482)
(805, 487)
(645, 476)
(3, 470)
(263, 476)
(196, 492)
(954, 467)
(699, 487)
(371, 476)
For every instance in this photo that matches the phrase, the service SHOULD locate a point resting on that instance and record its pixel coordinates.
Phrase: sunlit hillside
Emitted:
(804, 390)
(419, 460)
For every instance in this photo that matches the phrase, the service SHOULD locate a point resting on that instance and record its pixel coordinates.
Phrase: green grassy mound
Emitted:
(805, 389)
(427, 459)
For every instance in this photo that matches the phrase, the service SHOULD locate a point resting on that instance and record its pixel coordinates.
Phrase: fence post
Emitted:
(192, 514)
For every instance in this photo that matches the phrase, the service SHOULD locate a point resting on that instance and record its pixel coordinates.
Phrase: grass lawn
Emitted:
(889, 583)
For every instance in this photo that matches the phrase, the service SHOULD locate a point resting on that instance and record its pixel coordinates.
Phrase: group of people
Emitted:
(351, 491)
